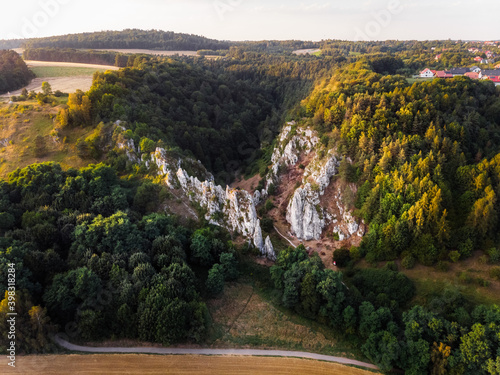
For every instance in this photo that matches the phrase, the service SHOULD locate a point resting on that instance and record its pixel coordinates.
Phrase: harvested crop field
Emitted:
(180, 364)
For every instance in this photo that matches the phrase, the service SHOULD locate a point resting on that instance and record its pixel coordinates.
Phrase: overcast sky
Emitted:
(259, 19)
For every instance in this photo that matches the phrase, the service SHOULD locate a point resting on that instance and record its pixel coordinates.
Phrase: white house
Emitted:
(427, 73)
(475, 69)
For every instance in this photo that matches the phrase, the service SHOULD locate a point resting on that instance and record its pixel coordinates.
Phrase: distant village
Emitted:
(474, 72)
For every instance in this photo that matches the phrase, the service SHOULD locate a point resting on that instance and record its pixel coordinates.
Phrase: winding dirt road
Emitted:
(237, 352)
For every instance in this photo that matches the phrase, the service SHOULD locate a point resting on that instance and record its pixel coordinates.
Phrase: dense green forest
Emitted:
(14, 73)
(454, 337)
(86, 246)
(129, 39)
(220, 111)
(425, 157)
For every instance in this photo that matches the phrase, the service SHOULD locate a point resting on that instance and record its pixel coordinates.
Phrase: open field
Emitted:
(32, 63)
(63, 84)
(65, 77)
(311, 51)
(63, 71)
(151, 52)
(180, 364)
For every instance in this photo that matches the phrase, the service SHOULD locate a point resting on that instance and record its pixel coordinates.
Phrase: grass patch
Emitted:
(22, 123)
(249, 314)
(411, 81)
(63, 71)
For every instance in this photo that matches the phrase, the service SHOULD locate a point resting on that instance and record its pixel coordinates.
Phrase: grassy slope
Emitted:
(430, 281)
(21, 123)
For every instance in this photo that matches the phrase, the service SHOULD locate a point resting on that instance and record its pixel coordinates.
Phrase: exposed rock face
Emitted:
(348, 226)
(305, 215)
(230, 208)
(268, 249)
(288, 150)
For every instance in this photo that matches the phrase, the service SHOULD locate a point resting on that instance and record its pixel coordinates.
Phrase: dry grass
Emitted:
(245, 319)
(19, 129)
(132, 364)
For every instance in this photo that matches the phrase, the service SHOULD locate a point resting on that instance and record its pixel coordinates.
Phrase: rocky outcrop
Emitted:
(305, 214)
(347, 226)
(268, 250)
(293, 141)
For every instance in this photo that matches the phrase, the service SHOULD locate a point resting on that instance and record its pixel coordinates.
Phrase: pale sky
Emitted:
(259, 19)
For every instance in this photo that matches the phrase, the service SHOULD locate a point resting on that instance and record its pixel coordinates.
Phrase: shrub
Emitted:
(465, 248)
(391, 266)
(482, 282)
(454, 256)
(408, 262)
(494, 255)
(355, 253)
(302, 166)
(269, 205)
(495, 273)
(464, 278)
(341, 257)
(271, 189)
(267, 224)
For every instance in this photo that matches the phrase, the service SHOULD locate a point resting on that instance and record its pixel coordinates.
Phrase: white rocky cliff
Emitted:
(305, 213)
(229, 208)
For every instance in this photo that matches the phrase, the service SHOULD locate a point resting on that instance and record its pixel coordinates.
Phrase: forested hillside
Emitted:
(85, 246)
(425, 155)
(221, 111)
(129, 39)
(14, 73)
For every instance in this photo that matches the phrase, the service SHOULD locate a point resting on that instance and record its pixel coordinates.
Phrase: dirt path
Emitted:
(286, 238)
(238, 352)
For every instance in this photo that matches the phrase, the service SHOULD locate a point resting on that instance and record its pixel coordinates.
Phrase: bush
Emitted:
(355, 253)
(454, 256)
(267, 224)
(465, 248)
(464, 277)
(408, 262)
(269, 205)
(391, 266)
(271, 189)
(495, 273)
(494, 255)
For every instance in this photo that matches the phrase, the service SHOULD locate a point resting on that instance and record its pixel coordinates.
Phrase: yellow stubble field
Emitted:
(132, 364)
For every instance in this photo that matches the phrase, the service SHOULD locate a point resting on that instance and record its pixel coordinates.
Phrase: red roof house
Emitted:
(472, 75)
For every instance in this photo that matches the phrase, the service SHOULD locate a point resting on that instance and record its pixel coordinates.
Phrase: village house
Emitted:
(459, 71)
(475, 69)
(443, 74)
(472, 75)
(427, 73)
(489, 74)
